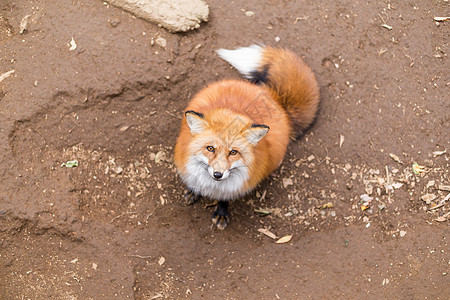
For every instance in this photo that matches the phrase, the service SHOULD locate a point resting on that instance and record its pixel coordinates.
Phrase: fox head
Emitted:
(222, 146)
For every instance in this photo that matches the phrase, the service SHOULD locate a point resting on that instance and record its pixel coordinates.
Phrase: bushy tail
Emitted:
(290, 81)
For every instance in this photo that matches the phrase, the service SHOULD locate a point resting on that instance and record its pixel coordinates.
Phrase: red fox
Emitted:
(234, 133)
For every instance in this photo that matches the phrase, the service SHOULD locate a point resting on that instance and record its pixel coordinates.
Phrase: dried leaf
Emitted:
(124, 128)
(284, 239)
(395, 158)
(249, 13)
(366, 198)
(261, 211)
(369, 189)
(341, 140)
(161, 261)
(268, 233)
(441, 19)
(397, 185)
(326, 205)
(428, 198)
(444, 187)
(24, 24)
(437, 153)
(6, 75)
(72, 45)
(364, 207)
(118, 170)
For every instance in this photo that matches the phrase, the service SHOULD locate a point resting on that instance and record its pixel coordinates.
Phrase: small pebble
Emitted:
(114, 23)
(162, 42)
(287, 182)
(118, 170)
(160, 156)
(428, 198)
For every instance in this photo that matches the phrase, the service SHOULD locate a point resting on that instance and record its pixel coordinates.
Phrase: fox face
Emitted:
(221, 152)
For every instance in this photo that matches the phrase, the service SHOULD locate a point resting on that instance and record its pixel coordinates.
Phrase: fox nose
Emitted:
(218, 175)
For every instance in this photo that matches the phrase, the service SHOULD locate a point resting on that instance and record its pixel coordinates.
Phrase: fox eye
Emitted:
(210, 148)
(233, 152)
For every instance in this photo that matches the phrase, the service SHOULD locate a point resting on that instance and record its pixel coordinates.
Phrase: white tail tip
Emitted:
(245, 59)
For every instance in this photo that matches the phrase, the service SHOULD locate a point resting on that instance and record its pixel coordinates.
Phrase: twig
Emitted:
(263, 196)
(371, 143)
(6, 75)
(116, 217)
(150, 214)
(384, 22)
(300, 18)
(446, 198)
(387, 181)
(437, 206)
(140, 256)
(173, 115)
(441, 203)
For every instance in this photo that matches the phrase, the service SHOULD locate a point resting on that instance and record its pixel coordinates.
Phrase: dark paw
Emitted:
(190, 196)
(221, 217)
(220, 221)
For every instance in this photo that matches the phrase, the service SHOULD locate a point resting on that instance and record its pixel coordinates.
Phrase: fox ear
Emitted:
(195, 121)
(256, 132)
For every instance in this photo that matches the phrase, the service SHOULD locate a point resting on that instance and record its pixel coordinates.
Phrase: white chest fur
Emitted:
(201, 182)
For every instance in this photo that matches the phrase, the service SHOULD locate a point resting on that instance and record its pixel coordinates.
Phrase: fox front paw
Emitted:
(221, 217)
(190, 196)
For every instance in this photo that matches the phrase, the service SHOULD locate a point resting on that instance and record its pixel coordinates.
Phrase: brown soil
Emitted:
(117, 227)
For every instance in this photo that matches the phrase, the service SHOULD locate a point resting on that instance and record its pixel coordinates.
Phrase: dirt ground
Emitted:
(117, 227)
